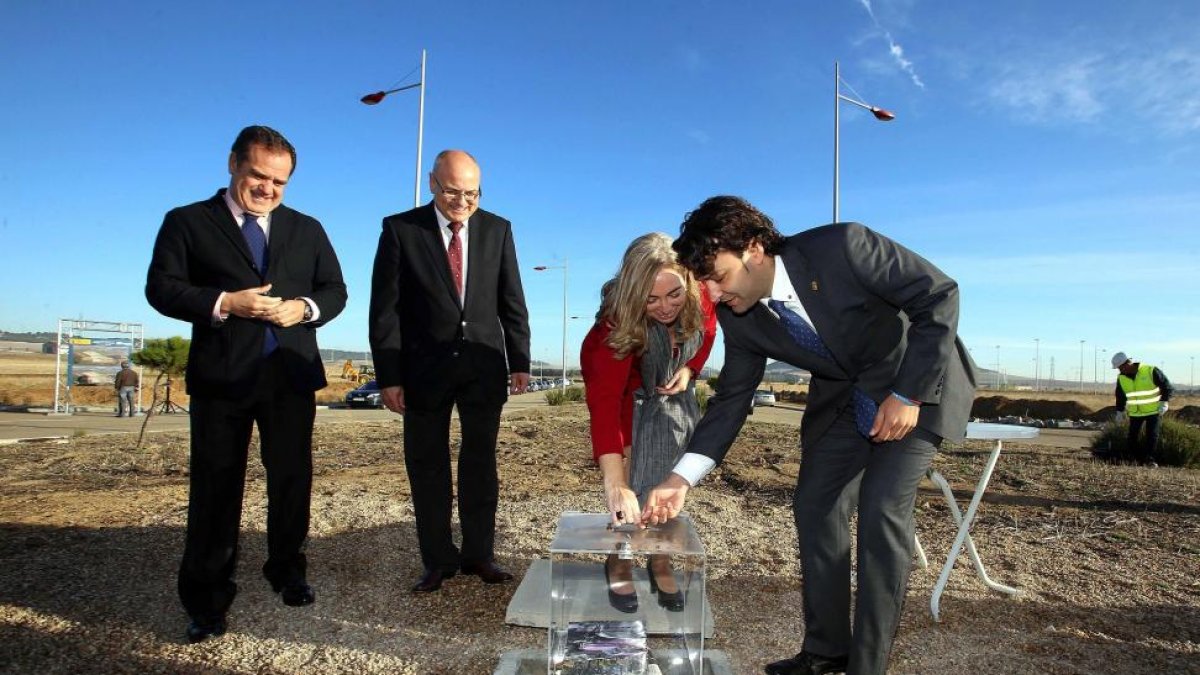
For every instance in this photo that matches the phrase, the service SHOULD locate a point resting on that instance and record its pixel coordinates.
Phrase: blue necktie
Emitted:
(257, 241)
(807, 338)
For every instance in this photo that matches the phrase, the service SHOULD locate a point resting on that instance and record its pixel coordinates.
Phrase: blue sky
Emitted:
(1046, 155)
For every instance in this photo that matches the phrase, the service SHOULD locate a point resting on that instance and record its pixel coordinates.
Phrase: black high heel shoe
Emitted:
(627, 603)
(672, 602)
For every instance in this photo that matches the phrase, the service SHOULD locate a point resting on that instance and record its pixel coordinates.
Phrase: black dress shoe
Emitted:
(297, 594)
(622, 602)
(672, 602)
(807, 663)
(431, 581)
(203, 628)
(489, 572)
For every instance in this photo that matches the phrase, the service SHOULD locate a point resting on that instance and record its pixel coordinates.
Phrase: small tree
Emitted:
(169, 357)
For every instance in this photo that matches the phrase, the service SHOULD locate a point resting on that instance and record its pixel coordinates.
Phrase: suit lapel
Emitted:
(813, 294)
(431, 233)
(227, 226)
(282, 230)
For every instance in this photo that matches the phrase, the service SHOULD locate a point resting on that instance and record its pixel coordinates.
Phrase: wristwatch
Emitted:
(307, 310)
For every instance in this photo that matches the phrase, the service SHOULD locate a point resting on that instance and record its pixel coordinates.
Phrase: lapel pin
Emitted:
(813, 285)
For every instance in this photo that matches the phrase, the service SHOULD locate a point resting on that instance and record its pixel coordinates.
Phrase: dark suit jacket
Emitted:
(419, 324)
(200, 252)
(889, 319)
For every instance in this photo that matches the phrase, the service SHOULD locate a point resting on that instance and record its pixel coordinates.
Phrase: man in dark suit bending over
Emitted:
(255, 279)
(876, 325)
(448, 325)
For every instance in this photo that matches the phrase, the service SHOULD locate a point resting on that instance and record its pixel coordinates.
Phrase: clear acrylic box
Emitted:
(588, 636)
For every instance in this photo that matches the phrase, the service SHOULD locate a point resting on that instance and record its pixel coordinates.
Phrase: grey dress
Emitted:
(662, 425)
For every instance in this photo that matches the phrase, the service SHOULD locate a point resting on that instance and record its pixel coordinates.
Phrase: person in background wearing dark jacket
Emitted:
(1142, 395)
(254, 279)
(125, 383)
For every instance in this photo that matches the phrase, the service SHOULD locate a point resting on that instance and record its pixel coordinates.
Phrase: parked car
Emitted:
(764, 397)
(366, 396)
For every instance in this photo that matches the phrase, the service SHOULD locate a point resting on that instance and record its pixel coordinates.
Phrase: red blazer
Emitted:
(610, 382)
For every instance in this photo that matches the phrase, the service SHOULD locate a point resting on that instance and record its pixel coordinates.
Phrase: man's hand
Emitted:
(1163, 407)
(894, 420)
(250, 303)
(665, 501)
(287, 313)
(677, 383)
(393, 398)
(519, 383)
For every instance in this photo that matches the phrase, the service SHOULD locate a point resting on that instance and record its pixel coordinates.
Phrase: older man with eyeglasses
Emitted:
(448, 326)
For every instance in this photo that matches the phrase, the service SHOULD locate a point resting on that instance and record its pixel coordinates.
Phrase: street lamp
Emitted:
(997, 367)
(1096, 367)
(1037, 364)
(1081, 365)
(879, 113)
(373, 99)
(563, 267)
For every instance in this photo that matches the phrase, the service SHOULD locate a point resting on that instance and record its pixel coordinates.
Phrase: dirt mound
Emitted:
(991, 407)
(1188, 414)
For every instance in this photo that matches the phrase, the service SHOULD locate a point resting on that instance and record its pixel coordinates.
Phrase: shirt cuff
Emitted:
(905, 400)
(316, 311)
(693, 467)
(217, 317)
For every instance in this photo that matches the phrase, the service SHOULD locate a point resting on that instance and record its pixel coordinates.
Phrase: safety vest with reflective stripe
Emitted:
(1141, 394)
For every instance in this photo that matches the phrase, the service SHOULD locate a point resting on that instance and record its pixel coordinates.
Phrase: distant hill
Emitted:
(6, 336)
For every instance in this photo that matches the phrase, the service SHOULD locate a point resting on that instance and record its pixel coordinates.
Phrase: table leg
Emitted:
(964, 528)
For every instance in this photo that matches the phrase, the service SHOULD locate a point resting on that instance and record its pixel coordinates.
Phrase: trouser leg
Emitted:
(1153, 426)
(220, 431)
(478, 479)
(285, 421)
(885, 541)
(427, 461)
(1134, 448)
(824, 500)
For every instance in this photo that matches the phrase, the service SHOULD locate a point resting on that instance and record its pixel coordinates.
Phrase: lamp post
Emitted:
(1037, 364)
(563, 267)
(1096, 349)
(373, 99)
(1192, 379)
(879, 113)
(1081, 365)
(997, 367)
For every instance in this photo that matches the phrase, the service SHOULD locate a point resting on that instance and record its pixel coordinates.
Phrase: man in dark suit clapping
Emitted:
(448, 326)
(254, 279)
(876, 325)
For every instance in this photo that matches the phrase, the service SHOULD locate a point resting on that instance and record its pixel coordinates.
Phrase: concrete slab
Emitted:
(530, 605)
(533, 662)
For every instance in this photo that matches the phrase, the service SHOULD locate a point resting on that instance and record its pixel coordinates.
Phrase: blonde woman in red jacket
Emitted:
(651, 338)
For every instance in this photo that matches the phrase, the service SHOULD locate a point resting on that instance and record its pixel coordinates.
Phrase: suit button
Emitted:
(464, 324)
(454, 354)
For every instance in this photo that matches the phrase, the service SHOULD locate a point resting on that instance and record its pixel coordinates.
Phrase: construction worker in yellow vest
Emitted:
(1142, 394)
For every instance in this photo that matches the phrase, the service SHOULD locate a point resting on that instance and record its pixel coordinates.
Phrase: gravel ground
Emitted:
(1107, 560)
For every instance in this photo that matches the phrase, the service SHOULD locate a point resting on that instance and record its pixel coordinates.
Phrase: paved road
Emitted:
(26, 425)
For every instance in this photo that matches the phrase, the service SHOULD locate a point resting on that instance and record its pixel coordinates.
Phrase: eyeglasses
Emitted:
(451, 193)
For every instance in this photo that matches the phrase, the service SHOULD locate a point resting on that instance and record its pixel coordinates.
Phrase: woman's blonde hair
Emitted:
(624, 303)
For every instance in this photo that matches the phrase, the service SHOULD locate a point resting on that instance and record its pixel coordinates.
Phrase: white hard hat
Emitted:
(1119, 359)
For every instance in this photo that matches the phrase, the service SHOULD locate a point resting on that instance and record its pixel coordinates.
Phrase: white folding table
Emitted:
(975, 430)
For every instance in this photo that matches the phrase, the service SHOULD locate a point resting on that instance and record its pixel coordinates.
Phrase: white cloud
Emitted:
(700, 136)
(1158, 90)
(894, 48)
